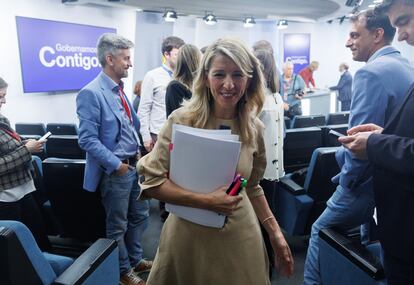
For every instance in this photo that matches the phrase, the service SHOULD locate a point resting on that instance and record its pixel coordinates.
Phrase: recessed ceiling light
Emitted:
(170, 16)
(210, 19)
(249, 22)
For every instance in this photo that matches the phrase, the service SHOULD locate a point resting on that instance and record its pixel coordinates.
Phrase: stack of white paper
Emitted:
(201, 161)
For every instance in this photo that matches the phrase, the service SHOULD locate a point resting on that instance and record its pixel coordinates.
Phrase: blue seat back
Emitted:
(21, 260)
(337, 118)
(343, 261)
(308, 121)
(38, 129)
(61, 146)
(62, 129)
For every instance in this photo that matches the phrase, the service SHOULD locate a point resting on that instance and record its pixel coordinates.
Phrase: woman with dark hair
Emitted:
(228, 91)
(179, 89)
(273, 120)
(16, 183)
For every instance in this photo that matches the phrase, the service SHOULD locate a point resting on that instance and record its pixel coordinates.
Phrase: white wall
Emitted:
(195, 31)
(48, 107)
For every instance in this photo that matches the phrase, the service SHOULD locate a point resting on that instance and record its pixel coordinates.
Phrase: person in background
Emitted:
(265, 45)
(378, 89)
(137, 93)
(16, 184)
(108, 132)
(307, 73)
(273, 120)
(151, 111)
(391, 152)
(294, 90)
(344, 87)
(179, 89)
(227, 92)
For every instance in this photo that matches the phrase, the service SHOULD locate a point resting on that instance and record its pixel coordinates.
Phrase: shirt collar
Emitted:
(382, 51)
(169, 71)
(110, 83)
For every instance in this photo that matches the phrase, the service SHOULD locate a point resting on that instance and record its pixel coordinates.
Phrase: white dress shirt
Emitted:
(151, 110)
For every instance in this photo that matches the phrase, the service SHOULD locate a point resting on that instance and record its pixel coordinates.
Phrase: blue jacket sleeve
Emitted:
(89, 113)
(368, 106)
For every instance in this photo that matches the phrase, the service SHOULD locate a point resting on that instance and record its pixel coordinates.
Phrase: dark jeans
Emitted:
(397, 271)
(26, 211)
(126, 217)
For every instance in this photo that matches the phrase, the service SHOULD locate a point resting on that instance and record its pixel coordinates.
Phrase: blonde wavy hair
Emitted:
(199, 107)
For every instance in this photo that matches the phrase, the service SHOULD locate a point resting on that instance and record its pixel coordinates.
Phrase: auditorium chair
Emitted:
(79, 213)
(62, 129)
(287, 122)
(345, 261)
(298, 147)
(35, 129)
(308, 121)
(22, 262)
(40, 195)
(337, 118)
(62, 146)
(298, 206)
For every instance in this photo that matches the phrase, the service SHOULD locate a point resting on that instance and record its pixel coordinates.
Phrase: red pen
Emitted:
(238, 184)
(237, 177)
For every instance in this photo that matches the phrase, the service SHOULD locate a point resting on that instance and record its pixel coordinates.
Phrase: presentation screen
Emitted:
(57, 56)
(296, 48)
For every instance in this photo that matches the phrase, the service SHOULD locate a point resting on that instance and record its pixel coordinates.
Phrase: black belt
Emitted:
(131, 160)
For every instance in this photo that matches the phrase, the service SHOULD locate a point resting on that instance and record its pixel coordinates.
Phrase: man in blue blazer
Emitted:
(391, 152)
(108, 128)
(344, 87)
(379, 88)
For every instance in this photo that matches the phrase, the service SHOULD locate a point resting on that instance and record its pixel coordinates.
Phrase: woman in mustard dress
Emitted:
(228, 91)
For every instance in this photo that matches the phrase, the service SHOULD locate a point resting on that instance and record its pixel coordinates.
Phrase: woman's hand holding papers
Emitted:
(222, 203)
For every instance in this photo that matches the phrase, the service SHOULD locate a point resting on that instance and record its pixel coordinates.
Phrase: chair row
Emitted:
(300, 143)
(39, 129)
(317, 120)
(60, 146)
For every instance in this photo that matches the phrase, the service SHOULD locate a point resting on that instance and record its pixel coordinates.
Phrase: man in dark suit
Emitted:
(344, 87)
(391, 152)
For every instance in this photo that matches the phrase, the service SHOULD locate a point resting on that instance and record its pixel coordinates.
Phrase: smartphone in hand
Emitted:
(335, 134)
(45, 136)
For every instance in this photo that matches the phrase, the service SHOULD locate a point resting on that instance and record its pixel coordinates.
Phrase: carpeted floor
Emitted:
(297, 245)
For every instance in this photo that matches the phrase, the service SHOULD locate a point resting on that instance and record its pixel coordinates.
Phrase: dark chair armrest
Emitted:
(87, 263)
(354, 252)
(290, 185)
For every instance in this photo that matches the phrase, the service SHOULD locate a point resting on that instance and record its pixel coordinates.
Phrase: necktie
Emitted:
(124, 102)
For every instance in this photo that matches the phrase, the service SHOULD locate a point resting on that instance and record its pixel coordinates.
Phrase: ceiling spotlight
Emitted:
(170, 16)
(210, 19)
(249, 22)
(282, 24)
